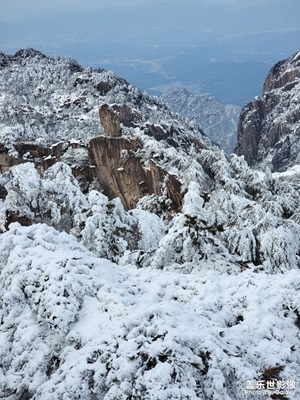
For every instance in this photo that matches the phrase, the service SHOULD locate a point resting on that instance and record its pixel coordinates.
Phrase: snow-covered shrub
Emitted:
(8, 135)
(260, 237)
(61, 199)
(55, 198)
(151, 230)
(108, 230)
(190, 238)
(43, 281)
(23, 190)
(279, 245)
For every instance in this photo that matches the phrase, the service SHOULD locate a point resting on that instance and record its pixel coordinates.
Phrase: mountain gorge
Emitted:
(137, 260)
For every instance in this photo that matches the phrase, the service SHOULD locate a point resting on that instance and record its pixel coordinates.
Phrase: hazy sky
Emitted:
(54, 23)
(24, 10)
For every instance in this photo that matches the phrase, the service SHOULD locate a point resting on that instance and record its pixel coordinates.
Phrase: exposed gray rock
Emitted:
(269, 127)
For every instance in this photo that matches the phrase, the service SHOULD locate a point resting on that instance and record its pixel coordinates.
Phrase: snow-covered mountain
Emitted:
(218, 120)
(49, 112)
(137, 262)
(52, 99)
(269, 127)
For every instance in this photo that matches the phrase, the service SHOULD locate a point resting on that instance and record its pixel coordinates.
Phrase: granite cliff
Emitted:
(269, 127)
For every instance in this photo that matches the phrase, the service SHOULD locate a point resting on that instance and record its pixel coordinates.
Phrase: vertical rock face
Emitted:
(269, 127)
(110, 121)
(120, 170)
(249, 130)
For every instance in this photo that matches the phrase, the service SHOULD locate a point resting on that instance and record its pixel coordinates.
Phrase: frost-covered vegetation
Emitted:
(50, 99)
(197, 306)
(218, 120)
(102, 303)
(75, 326)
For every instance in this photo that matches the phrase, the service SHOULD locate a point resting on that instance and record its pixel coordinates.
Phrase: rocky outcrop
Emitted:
(44, 157)
(120, 169)
(112, 117)
(6, 160)
(123, 174)
(269, 127)
(110, 121)
(249, 128)
(113, 159)
(50, 112)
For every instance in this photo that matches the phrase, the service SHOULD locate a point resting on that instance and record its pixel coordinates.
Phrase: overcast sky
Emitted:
(63, 24)
(22, 10)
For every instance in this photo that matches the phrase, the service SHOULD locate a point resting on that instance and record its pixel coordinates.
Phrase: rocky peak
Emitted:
(110, 121)
(268, 127)
(121, 170)
(28, 53)
(112, 117)
(284, 74)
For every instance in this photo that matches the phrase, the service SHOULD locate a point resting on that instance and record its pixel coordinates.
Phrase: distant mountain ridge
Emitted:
(269, 127)
(218, 120)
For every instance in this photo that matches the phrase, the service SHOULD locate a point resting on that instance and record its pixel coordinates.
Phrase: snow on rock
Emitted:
(218, 120)
(231, 216)
(53, 99)
(268, 127)
(75, 326)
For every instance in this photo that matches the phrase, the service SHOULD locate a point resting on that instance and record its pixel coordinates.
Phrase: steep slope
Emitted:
(218, 120)
(269, 127)
(183, 285)
(52, 99)
(49, 112)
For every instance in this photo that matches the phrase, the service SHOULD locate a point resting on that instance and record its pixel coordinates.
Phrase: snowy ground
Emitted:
(78, 327)
(290, 172)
